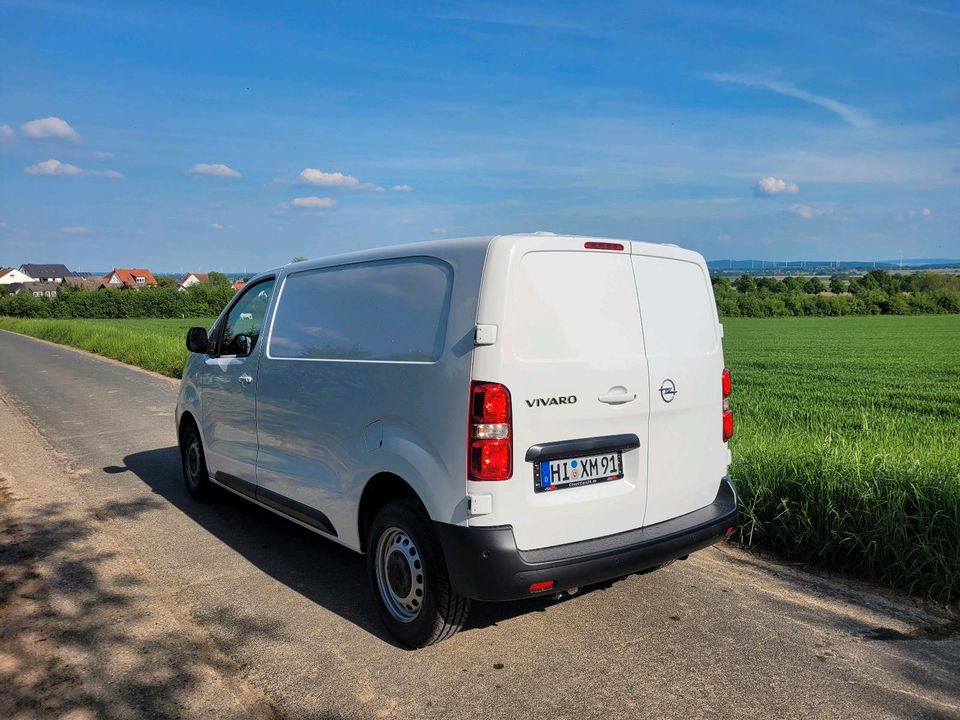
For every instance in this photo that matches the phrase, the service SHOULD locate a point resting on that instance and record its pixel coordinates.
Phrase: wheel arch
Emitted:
(186, 419)
(381, 489)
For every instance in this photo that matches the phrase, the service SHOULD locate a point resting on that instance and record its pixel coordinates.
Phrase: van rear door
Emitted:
(687, 455)
(570, 350)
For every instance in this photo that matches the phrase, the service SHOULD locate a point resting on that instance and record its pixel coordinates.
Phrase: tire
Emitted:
(408, 577)
(193, 463)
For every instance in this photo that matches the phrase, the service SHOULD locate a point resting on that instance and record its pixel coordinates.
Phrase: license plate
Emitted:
(577, 472)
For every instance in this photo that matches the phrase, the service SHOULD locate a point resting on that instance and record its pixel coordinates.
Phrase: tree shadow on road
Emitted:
(80, 632)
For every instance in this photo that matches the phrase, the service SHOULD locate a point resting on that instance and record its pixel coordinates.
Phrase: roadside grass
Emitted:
(152, 344)
(847, 448)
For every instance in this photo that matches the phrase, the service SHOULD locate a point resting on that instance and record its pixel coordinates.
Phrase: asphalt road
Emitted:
(280, 622)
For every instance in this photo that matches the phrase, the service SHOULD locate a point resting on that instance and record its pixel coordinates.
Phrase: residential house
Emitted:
(191, 279)
(9, 276)
(46, 273)
(238, 285)
(129, 278)
(86, 282)
(39, 289)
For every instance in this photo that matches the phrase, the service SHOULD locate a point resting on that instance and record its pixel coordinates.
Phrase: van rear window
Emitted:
(677, 307)
(574, 306)
(391, 310)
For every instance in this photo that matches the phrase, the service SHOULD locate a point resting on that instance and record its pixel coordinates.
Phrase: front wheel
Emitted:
(194, 464)
(409, 578)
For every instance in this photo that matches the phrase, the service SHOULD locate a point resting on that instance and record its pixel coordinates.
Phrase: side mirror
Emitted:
(197, 341)
(244, 345)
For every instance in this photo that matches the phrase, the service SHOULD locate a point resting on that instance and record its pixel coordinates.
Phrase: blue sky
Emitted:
(237, 135)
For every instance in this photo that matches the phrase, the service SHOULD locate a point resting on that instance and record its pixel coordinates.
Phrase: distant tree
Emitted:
(838, 285)
(895, 305)
(750, 305)
(216, 278)
(746, 284)
(948, 300)
(869, 282)
(793, 284)
(814, 285)
(166, 281)
(299, 258)
(763, 283)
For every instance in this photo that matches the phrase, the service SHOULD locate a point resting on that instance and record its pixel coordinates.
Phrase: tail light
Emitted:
(490, 452)
(727, 412)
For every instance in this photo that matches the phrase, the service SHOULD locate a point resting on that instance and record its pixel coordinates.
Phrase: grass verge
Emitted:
(156, 345)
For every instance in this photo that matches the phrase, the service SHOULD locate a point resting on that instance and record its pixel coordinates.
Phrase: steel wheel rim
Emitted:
(193, 460)
(400, 575)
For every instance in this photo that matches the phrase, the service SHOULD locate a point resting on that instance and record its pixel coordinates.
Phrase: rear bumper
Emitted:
(484, 563)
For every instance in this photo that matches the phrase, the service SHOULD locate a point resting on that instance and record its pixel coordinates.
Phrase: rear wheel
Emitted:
(194, 464)
(409, 578)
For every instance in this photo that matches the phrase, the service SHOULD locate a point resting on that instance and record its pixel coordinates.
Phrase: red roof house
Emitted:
(129, 278)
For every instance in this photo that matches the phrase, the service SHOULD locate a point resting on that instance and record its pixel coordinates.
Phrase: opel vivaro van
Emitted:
(483, 418)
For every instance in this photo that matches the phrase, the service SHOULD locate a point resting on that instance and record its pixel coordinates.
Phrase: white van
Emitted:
(484, 418)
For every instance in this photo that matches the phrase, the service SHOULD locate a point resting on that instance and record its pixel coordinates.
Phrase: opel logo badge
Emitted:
(668, 390)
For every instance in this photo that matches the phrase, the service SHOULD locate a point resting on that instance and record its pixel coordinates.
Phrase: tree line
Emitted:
(876, 293)
(165, 301)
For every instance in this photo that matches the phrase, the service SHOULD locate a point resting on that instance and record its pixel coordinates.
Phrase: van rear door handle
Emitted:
(617, 398)
(245, 379)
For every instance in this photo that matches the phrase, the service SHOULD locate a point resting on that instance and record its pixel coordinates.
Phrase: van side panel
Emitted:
(326, 426)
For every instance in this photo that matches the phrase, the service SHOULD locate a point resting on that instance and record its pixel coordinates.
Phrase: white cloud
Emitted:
(806, 211)
(50, 127)
(314, 202)
(216, 226)
(926, 212)
(402, 188)
(214, 170)
(312, 176)
(52, 167)
(74, 230)
(6, 132)
(103, 155)
(55, 167)
(852, 115)
(775, 186)
(439, 231)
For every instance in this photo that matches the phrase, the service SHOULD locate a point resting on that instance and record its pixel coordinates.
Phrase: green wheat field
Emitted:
(847, 447)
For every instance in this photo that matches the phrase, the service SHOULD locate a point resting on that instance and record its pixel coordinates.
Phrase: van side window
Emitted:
(391, 310)
(246, 318)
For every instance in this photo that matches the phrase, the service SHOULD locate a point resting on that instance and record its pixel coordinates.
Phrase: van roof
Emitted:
(447, 246)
